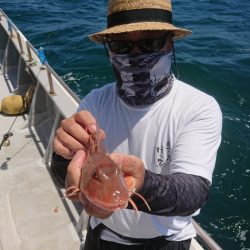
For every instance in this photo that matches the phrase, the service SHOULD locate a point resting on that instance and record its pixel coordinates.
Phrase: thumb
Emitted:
(117, 158)
(74, 169)
(133, 166)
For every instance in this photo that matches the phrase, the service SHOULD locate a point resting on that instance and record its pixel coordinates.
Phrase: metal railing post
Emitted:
(10, 28)
(20, 42)
(51, 86)
(29, 53)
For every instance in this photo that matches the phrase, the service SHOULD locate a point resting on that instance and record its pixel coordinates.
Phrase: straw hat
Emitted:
(133, 15)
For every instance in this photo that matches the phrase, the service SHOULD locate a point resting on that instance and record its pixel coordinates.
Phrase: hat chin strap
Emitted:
(175, 63)
(106, 49)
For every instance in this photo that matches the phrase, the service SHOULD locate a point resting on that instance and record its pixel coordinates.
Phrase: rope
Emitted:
(9, 134)
(5, 138)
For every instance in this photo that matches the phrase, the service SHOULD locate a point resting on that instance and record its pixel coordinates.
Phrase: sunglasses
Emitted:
(145, 45)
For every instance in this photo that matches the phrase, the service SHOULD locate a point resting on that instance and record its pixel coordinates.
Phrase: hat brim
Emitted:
(100, 37)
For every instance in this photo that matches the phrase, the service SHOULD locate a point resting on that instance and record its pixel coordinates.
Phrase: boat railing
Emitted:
(58, 78)
(26, 46)
(205, 238)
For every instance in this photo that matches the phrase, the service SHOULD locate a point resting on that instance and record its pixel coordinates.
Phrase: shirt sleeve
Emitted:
(195, 149)
(85, 104)
(173, 195)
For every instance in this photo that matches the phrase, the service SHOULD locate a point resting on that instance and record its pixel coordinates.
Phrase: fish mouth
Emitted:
(109, 207)
(114, 208)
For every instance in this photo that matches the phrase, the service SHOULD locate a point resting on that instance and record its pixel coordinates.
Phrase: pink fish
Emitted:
(102, 181)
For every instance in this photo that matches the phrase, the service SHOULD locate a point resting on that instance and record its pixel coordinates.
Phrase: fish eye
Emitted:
(95, 176)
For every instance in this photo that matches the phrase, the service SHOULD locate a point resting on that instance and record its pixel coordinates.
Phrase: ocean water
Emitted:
(215, 59)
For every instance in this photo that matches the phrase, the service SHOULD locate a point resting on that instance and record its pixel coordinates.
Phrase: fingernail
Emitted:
(92, 128)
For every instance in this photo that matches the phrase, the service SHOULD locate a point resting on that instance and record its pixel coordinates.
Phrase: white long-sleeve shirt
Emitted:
(180, 133)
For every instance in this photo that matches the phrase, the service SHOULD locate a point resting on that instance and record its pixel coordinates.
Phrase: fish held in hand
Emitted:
(102, 181)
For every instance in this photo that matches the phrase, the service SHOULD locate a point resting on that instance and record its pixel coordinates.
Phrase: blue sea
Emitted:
(215, 59)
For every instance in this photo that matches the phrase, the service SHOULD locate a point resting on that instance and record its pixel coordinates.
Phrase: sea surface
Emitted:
(214, 59)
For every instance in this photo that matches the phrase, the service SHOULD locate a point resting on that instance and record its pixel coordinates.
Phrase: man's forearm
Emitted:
(173, 195)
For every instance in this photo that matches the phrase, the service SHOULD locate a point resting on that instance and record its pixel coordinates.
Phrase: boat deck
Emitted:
(33, 213)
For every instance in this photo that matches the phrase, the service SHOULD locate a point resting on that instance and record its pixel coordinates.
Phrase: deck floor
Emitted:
(33, 215)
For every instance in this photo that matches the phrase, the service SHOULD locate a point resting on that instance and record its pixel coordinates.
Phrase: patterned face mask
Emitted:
(142, 79)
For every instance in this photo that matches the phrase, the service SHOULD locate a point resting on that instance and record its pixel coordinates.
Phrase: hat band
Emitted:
(139, 15)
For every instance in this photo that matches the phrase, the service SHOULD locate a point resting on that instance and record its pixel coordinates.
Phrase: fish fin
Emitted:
(142, 198)
(71, 191)
(133, 205)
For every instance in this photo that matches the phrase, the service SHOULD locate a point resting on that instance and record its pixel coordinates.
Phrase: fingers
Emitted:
(77, 127)
(128, 163)
(117, 158)
(102, 134)
(131, 166)
(73, 134)
(134, 166)
(62, 150)
(75, 167)
(66, 144)
(73, 177)
(86, 120)
(70, 128)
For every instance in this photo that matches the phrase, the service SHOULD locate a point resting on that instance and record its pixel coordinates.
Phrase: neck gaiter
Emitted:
(142, 79)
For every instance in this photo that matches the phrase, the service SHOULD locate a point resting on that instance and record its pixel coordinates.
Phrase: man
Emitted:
(158, 129)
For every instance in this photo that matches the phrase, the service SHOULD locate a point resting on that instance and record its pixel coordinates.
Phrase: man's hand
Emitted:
(131, 165)
(73, 180)
(73, 134)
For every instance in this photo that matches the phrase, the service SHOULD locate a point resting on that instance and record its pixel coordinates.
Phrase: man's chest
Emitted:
(153, 144)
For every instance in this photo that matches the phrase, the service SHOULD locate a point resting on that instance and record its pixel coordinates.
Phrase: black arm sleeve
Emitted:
(173, 195)
(58, 168)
